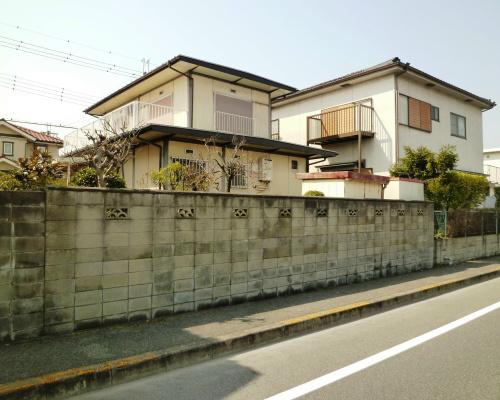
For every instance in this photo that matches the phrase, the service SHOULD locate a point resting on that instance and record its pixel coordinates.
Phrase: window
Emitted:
(275, 129)
(8, 148)
(415, 113)
(457, 125)
(435, 113)
(196, 165)
(233, 115)
(41, 148)
(403, 109)
(239, 180)
(295, 164)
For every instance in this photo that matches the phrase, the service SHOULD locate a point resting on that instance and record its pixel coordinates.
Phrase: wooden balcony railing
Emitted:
(341, 124)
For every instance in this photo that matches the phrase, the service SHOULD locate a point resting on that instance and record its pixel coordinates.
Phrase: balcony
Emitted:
(493, 174)
(127, 117)
(346, 123)
(232, 123)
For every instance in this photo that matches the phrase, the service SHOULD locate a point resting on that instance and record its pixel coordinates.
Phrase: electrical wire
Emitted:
(109, 52)
(27, 89)
(7, 78)
(66, 57)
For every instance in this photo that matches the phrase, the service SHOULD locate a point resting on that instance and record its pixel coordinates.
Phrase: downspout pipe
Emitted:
(396, 103)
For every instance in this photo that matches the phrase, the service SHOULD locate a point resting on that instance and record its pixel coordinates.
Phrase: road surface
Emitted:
(447, 347)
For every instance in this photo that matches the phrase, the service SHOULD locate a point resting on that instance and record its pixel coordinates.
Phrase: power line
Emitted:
(41, 123)
(66, 57)
(33, 90)
(62, 91)
(17, 27)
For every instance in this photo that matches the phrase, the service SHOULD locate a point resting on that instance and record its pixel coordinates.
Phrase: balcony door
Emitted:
(233, 115)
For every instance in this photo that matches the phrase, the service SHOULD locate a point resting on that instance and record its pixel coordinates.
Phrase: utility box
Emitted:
(265, 170)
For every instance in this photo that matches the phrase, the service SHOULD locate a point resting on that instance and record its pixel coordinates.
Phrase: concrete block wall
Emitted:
(120, 255)
(454, 250)
(112, 256)
(22, 243)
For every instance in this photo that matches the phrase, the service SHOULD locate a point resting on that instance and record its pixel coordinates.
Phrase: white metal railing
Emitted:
(493, 173)
(124, 118)
(233, 123)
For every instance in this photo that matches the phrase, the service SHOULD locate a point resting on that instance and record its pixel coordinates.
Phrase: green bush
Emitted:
(87, 177)
(457, 190)
(178, 177)
(314, 193)
(9, 182)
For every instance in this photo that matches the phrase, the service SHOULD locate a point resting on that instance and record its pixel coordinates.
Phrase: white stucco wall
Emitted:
(404, 190)
(204, 90)
(284, 181)
(378, 152)
(344, 188)
(470, 149)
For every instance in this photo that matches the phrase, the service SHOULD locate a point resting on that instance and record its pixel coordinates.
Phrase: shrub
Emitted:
(87, 177)
(176, 176)
(457, 190)
(37, 171)
(314, 193)
(9, 182)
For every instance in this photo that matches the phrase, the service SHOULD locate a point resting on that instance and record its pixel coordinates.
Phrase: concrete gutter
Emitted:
(65, 383)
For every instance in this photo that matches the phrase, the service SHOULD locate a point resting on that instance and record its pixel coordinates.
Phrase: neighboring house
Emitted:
(17, 141)
(369, 116)
(185, 102)
(491, 165)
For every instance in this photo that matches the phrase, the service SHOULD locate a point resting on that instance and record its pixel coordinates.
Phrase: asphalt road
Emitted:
(359, 360)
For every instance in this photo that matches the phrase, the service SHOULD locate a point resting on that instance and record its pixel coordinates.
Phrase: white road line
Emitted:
(342, 373)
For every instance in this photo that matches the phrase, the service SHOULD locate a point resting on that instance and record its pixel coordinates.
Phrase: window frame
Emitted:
(275, 135)
(296, 162)
(452, 114)
(11, 146)
(407, 110)
(438, 113)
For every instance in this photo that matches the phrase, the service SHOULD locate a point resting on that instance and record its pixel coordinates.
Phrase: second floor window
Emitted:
(415, 113)
(457, 125)
(8, 148)
(275, 129)
(435, 113)
(233, 115)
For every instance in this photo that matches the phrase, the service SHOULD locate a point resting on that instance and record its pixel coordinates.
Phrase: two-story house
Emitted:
(186, 102)
(17, 142)
(369, 116)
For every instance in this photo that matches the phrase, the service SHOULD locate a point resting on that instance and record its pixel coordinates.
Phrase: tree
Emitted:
(178, 177)
(424, 164)
(457, 190)
(37, 171)
(229, 163)
(108, 150)
(447, 188)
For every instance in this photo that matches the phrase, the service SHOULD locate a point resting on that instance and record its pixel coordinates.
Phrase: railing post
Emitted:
(359, 138)
(135, 114)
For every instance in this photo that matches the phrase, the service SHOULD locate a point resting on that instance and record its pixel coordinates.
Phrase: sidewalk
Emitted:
(116, 353)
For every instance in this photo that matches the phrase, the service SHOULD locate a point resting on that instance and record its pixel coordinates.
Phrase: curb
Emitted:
(72, 381)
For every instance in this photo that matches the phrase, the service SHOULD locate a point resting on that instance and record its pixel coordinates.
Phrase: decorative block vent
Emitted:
(240, 212)
(401, 212)
(116, 213)
(379, 212)
(352, 212)
(185, 212)
(285, 212)
(420, 212)
(321, 212)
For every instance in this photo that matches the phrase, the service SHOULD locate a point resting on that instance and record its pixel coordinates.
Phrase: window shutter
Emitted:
(419, 114)
(425, 116)
(414, 113)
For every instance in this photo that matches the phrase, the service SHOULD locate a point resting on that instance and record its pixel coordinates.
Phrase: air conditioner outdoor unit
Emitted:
(265, 170)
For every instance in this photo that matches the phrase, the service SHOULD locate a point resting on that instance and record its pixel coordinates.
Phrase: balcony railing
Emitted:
(232, 123)
(125, 118)
(340, 124)
(493, 173)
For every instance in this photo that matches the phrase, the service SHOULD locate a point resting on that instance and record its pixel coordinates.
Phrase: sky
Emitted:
(299, 43)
